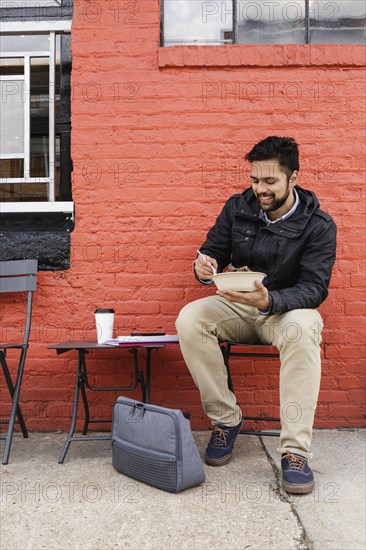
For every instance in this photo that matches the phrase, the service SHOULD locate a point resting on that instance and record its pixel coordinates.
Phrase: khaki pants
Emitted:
(202, 324)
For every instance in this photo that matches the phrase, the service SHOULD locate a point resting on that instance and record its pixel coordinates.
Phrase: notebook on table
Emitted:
(140, 339)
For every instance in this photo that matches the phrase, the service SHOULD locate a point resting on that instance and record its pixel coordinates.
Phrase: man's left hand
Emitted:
(258, 298)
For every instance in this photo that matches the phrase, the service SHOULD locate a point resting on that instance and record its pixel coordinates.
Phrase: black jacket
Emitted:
(297, 254)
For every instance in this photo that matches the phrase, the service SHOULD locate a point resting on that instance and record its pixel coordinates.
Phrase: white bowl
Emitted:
(241, 281)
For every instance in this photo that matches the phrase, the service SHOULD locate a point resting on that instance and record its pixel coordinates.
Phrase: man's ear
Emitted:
(294, 177)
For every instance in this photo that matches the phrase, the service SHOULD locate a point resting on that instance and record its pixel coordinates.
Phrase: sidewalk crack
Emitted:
(303, 543)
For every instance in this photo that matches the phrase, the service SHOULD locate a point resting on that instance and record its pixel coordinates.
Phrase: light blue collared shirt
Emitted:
(265, 218)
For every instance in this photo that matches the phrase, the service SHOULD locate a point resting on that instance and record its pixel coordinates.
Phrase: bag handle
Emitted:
(140, 407)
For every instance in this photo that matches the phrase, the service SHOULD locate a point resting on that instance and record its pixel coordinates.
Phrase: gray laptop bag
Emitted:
(155, 445)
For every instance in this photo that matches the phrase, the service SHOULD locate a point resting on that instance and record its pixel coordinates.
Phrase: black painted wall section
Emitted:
(44, 237)
(52, 250)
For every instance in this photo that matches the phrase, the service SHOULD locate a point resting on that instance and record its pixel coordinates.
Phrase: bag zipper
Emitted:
(151, 408)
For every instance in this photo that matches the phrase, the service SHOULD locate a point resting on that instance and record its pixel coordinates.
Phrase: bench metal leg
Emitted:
(226, 352)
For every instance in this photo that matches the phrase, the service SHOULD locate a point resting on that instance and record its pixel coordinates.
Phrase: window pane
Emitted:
(11, 66)
(15, 96)
(266, 22)
(338, 22)
(39, 116)
(12, 99)
(14, 192)
(39, 86)
(24, 42)
(39, 156)
(57, 168)
(58, 76)
(11, 168)
(197, 22)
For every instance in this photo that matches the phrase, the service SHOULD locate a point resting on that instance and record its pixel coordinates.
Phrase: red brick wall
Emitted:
(158, 138)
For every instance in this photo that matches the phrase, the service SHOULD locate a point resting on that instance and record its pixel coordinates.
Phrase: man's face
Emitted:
(272, 187)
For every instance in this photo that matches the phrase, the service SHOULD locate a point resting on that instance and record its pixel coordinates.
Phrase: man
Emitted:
(275, 227)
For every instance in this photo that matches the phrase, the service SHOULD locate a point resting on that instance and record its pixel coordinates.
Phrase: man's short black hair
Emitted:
(283, 149)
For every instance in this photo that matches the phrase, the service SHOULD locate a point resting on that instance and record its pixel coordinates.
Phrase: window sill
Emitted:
(267, 55)
(33, 207)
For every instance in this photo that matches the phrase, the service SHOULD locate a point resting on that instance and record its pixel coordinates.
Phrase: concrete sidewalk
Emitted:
(85, 504)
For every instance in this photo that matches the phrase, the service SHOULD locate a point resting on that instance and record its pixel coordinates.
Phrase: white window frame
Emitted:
(51, 205)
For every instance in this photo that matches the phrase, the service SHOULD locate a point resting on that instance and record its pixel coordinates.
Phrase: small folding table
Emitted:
(82, 382)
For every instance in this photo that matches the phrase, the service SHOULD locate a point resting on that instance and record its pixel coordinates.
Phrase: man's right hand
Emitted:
(202, 267)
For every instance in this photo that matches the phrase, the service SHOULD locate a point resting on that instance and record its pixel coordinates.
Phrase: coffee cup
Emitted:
(104, 319)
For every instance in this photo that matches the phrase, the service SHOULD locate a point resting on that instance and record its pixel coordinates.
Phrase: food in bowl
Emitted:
(241, 281)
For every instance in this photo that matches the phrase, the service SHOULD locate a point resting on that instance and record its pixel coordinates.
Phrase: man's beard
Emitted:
(277, 203)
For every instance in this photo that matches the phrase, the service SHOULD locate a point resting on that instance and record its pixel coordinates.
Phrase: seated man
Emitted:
(275, 227)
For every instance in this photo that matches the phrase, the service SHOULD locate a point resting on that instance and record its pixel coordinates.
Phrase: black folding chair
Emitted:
(16, 276)
(235, 349)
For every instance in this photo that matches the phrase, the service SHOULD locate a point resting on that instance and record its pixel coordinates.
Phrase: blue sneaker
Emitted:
(220, 448)
(297, 477)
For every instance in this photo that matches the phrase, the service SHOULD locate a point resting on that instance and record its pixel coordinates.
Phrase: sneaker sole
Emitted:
(218, 461)
(301, 489)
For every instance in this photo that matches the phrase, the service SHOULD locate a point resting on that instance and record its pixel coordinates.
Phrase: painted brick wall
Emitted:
(158, 139)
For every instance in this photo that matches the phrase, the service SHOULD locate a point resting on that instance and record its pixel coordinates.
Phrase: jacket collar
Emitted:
(290, 227)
